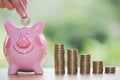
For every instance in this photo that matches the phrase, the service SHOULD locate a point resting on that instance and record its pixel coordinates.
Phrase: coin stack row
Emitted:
(85, 59)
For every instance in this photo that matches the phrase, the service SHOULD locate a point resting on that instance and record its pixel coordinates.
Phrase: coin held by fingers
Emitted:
(25, 21)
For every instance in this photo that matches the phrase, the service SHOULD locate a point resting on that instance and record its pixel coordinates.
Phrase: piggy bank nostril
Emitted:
(23, 42)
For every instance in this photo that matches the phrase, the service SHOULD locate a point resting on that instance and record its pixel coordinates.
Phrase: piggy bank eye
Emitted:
(26, 33)
(20, 34)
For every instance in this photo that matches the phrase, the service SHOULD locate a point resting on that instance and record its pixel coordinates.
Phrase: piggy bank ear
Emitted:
(9, 27)
(38, 26)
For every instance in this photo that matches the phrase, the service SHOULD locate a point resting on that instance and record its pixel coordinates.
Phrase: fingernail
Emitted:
(24, 14)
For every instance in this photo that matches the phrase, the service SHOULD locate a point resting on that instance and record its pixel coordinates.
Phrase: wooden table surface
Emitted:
(49, 75)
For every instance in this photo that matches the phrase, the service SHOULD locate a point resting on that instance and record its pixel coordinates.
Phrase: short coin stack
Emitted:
(85, 64)
(109, 70)
(72, 61)
(97, 67)
(59, 59)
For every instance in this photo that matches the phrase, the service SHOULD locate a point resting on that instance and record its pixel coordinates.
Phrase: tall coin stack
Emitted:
(59, 59)
(97, 67)
(72, 61)
(85, 64)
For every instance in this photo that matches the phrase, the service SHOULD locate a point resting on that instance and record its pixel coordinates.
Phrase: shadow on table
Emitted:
(25, 76)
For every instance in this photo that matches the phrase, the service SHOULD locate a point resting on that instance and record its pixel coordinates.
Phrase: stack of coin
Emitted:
(72, 61)
(59, 59)
(97, 67)
(109, 70)
(85, 64)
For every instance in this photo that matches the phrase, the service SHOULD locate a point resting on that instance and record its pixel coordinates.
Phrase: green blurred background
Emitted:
(91, 26)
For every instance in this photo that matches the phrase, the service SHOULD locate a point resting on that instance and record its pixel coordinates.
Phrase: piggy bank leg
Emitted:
(12, 69)
(38, 69)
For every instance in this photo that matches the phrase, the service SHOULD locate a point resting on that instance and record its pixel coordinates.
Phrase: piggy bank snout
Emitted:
(23, 41)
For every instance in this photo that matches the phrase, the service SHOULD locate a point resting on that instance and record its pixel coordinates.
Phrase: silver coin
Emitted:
(25, 21)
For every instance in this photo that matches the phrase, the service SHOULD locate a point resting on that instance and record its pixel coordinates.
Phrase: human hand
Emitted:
(19, 5)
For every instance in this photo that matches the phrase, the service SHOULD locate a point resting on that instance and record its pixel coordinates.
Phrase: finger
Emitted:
(22, 13)
(8, 4)
(21, 5)
(20, 8)
(25, 3)
(1, 4)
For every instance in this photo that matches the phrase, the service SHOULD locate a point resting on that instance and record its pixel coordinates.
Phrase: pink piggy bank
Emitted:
(25, 48)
